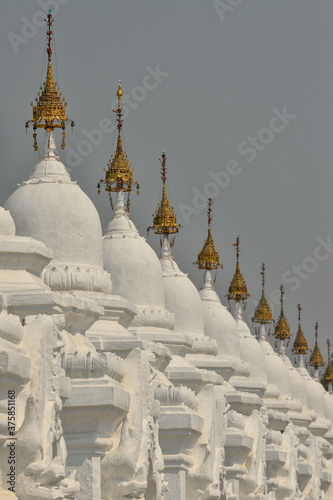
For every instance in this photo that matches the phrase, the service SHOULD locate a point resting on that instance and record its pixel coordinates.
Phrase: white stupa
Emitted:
(250, 350)
(181, 296)
(133, 264)
(219, 323)
(52, 208)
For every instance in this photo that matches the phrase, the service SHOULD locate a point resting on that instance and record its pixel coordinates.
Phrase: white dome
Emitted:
(51, 208)
(329, 407)
(218, 322)
(7, 225)
(135, 268)
(276, 370)
(250, 349)
(316, 401)
(297, 385)
(315, 392)
(181, 296)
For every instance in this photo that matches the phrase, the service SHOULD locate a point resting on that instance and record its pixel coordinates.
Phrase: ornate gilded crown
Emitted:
(300, 345)
(282, 329)
(328, 375)
(119, 174)
(237, 289)
(208, 258)
(165, 218)
(316, 359)
(49, 112)
(263, 313)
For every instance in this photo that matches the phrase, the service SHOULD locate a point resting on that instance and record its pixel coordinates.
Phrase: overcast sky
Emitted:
(240, 95)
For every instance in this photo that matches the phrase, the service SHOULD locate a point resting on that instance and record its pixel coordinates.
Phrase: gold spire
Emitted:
(119, 175)
(282, 330)
(263, 313)
(300, 345)
(208, 258)
(237, 289)
(316, 359)
(49, 111)
(328, 375)
(165, 218)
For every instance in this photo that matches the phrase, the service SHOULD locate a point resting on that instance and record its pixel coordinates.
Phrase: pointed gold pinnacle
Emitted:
(119, 175)
(208, 258)
(263, 313)
(282, 330)
(165, 218)
(328, 375)
(316, 359)
(300, 345)
(237, 289)
(49, 112)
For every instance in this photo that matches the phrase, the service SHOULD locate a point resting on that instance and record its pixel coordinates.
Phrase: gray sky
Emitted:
(226, 69)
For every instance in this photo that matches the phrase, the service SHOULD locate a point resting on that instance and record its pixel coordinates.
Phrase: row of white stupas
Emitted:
(129, 383)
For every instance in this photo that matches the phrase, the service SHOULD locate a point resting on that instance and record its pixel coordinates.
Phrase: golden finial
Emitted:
(119, 95)
(328, 375)
(316, 359)
(263, 313)
(300, 345)
(49, 111)
(237, 289)
(208, 258)
(119, 175)
(165, 218)
(282, 330)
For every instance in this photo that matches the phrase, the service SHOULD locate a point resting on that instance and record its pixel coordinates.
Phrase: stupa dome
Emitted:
(251, 352)
(276, 370)
(219, 322)
(181, 296)
(316, 401)
(297, 384)
(51, 208)
(135, 269)
(7, 225)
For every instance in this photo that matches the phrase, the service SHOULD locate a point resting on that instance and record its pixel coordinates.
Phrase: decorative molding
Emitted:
(69, 277)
